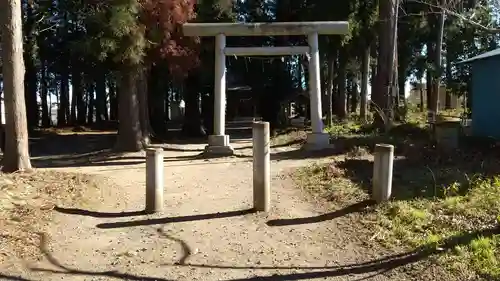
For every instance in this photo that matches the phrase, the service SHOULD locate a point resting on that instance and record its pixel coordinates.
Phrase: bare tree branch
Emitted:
(465, 19)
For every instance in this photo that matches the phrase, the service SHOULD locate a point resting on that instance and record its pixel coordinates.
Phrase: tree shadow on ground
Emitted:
(96, 214)
(377, 266)
(82, 140)
(12, 278)
(401, 136)
(73, 141)
(56, 151)
(50, 143)
(108, 158)
(166, 146)
(354, 208)
(235, 130)
(98, 158)
(65, 270)
(426, 171)
(166, 220)
(53, 150)
(50, 149)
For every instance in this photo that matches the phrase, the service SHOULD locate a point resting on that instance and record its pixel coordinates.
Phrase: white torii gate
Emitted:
(219, 142)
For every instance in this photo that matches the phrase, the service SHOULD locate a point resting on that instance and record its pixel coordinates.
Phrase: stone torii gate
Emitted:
(219, 142)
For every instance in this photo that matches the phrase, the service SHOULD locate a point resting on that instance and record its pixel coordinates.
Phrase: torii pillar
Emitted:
(219, 143)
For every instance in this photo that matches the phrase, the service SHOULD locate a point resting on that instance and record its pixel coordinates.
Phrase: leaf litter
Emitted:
(26, 204)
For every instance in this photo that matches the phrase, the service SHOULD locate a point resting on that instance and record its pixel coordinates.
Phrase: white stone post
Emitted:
(261, 167)
(382, 172)
(218, 143)
(317, 139)
(154, 180)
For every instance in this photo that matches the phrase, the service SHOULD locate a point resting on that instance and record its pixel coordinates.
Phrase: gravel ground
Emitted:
(206, 231)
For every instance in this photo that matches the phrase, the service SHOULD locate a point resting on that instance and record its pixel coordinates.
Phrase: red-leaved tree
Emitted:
(163, 20)
(136, 34)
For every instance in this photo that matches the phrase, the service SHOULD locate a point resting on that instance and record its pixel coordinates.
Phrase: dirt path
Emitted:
(206, 231)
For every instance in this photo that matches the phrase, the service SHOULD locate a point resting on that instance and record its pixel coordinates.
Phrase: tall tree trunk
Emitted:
(142, 97)
(395, 83)
(365, 68)
(393, 67)
(113, 100)
(30, 86)
(31, 83)
(166, 105)
(428, 88)
(341, 101)
(100, 97)
(30, 76)
(447, 102)
(429, 75)
(207, 110)
(16, 156)
(402, 106)
(129, 128)
(354, 96)
(73, 118)
(2, 127)
(379, 86)
(63, 107)
(192, 126)
(437, 61)
(79, 96)
(46, 118)
(348, 94)
(303, 67)
(385, 63)
(421, 89)
(90, 88)
(51, 104)
(329, 88)
(156, 97)
(401, 70)
(402, 82)
(373, 80)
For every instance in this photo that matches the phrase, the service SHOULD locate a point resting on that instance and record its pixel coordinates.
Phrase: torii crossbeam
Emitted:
(218, 143)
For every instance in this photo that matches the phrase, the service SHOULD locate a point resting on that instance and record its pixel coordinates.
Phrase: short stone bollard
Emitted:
(154, 180)
(261, 167)
(382, 172)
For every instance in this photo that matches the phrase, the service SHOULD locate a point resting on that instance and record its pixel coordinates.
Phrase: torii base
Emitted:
(218, 145)
(317, 141)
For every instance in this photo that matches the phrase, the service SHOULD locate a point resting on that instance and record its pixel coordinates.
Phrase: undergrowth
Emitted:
(426, 222)
(430, 222)
(446, 201)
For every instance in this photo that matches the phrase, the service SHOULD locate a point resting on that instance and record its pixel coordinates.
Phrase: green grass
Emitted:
(327, 182)
(288, 137)
(345, 128)
(426, 222)
(436, 199)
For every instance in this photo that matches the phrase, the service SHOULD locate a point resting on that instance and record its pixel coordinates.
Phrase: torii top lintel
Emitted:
(266, 28)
